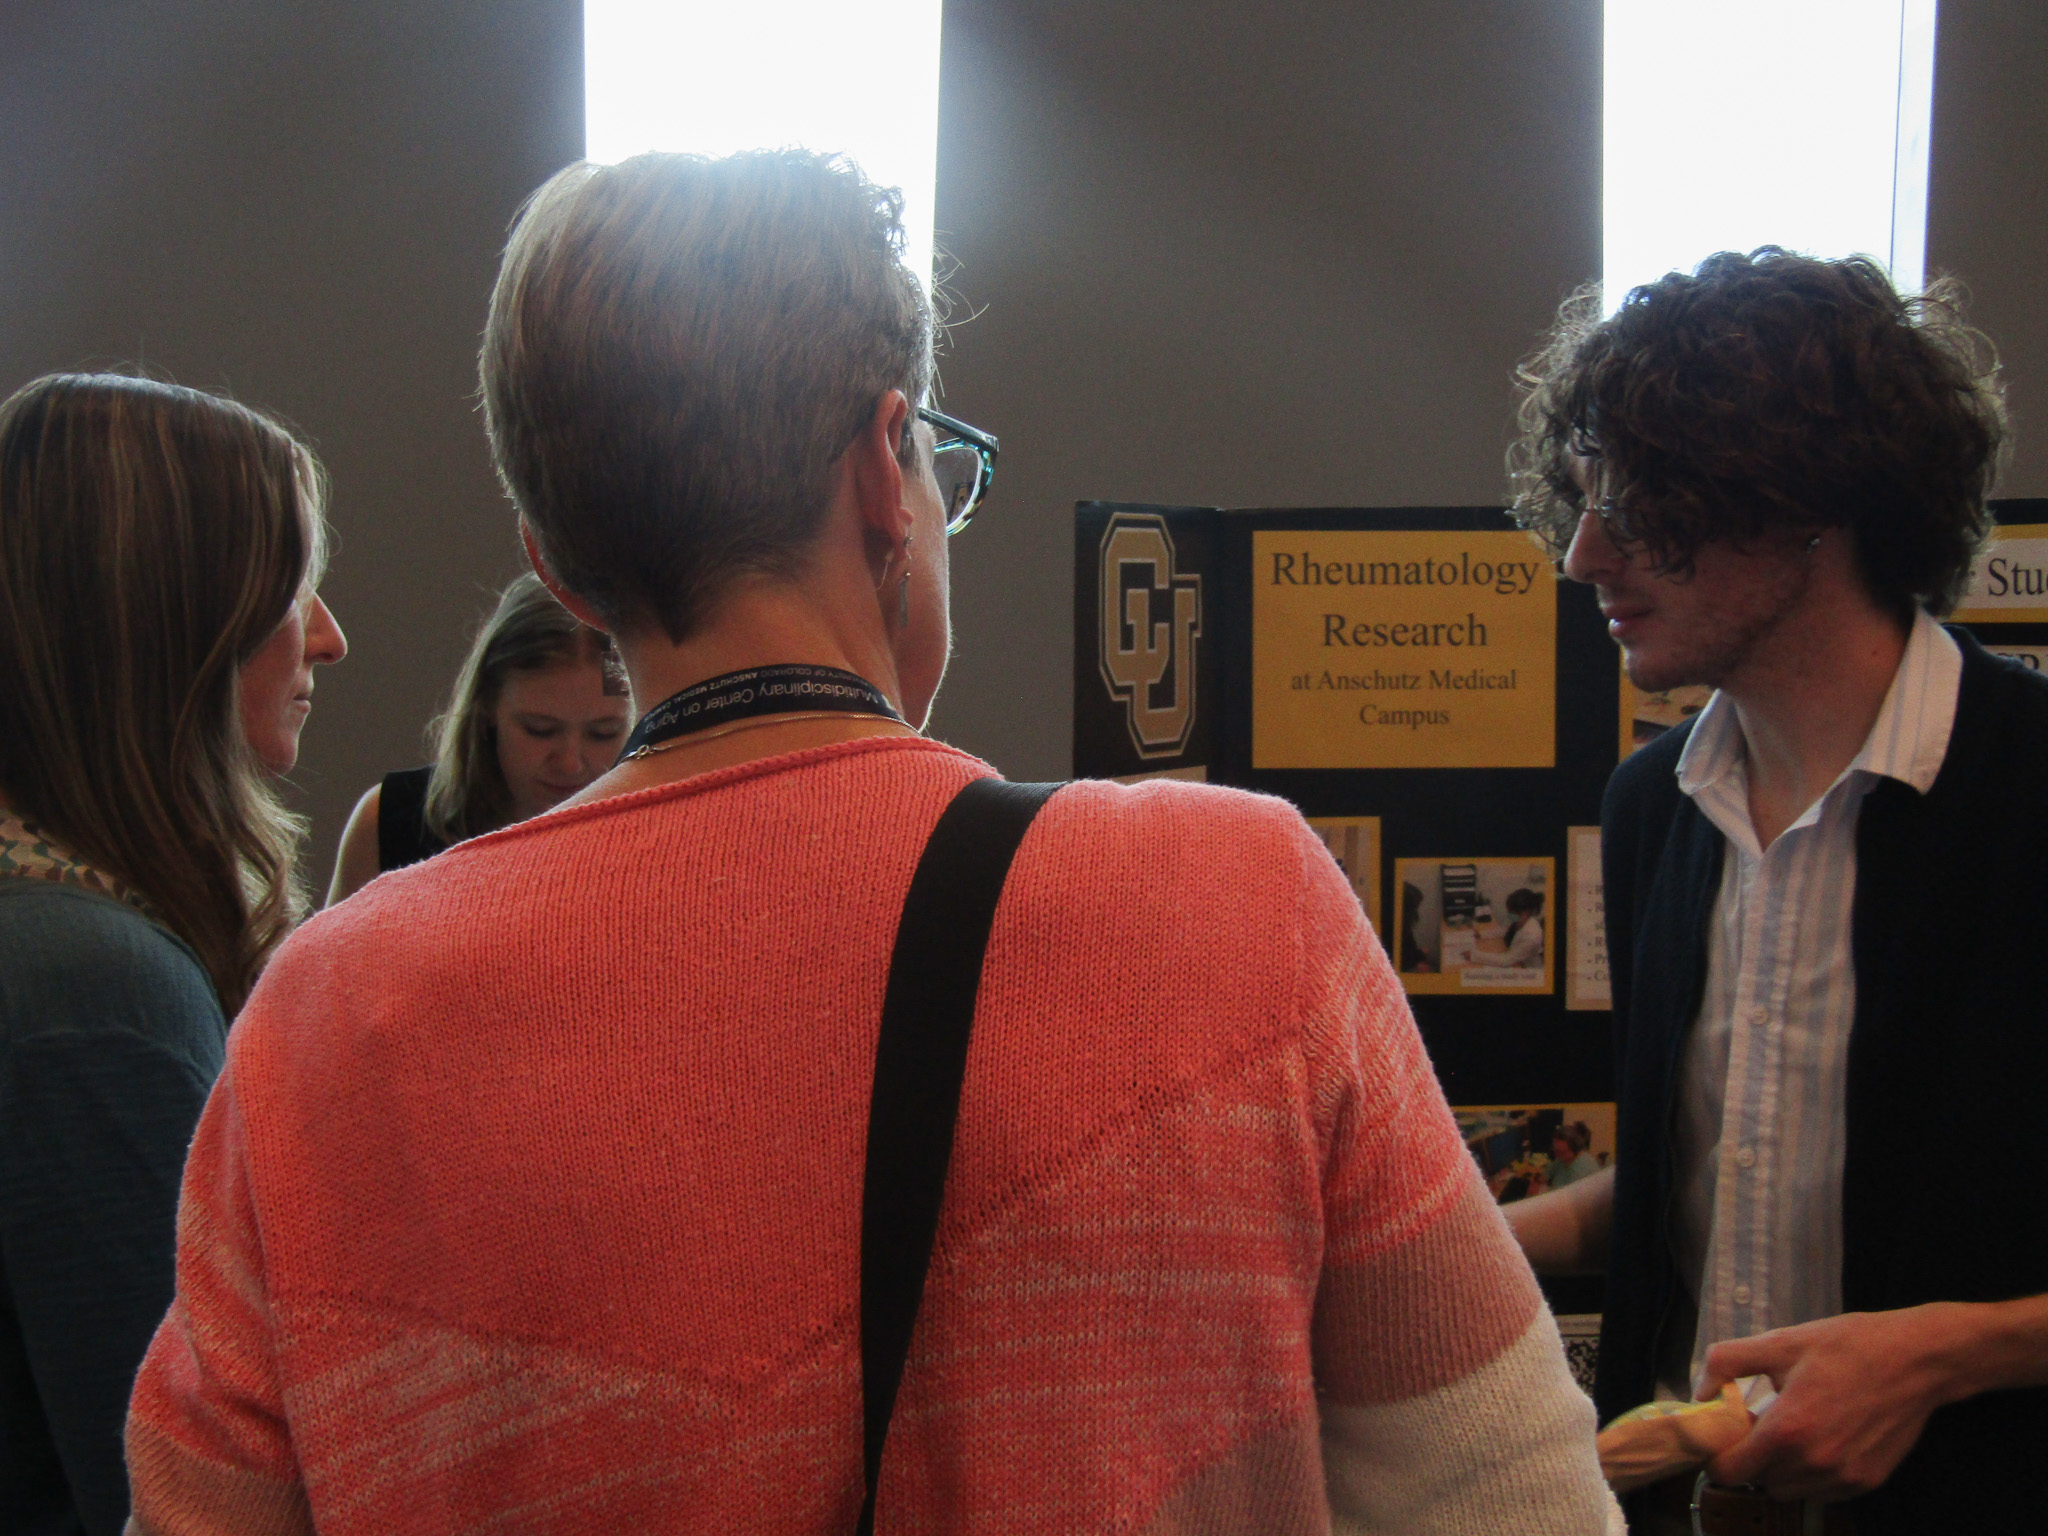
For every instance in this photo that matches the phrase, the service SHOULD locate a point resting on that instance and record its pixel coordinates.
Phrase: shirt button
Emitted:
(1746, 1157)
(1759, 1015)
(1741, 1295)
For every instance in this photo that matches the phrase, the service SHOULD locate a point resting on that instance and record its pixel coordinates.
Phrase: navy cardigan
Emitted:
(1947, 1074)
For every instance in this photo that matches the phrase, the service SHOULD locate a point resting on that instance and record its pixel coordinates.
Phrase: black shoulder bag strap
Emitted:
(927, 1016)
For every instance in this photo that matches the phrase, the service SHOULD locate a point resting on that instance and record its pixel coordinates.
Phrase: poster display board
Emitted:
(1441, 707)
(1444, 710)
(1646, 716)
(1435, 700)
(1525, 1149)
(1354, 842)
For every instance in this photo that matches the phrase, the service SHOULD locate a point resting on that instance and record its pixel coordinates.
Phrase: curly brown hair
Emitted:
(1765, 394)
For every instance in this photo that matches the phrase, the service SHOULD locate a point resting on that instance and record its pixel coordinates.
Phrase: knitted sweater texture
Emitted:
(530, 1198)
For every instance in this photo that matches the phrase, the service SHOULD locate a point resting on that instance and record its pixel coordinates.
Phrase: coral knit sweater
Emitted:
(530, 1197)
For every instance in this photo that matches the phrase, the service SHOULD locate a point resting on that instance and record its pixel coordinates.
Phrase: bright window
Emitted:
(862, 81)
(1731, 124)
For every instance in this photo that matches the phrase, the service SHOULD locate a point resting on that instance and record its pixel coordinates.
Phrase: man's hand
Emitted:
(1854, 1393)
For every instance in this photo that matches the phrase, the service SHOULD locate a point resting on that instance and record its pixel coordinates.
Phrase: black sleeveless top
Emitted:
(402, 835)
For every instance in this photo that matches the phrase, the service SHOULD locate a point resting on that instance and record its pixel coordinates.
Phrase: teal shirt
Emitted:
(1578, 1168)
(110, 1038)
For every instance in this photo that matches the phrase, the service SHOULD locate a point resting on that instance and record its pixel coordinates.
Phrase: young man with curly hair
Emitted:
(1773, 470)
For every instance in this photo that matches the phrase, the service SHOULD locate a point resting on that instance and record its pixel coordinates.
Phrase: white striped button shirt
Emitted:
(1760, 1122)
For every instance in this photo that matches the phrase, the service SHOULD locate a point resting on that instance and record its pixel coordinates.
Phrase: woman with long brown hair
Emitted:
(159, 550)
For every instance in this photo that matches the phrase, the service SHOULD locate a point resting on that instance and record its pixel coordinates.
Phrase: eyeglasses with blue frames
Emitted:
(964, 462)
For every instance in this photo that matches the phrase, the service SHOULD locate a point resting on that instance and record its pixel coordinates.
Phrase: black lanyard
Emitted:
(781, 690)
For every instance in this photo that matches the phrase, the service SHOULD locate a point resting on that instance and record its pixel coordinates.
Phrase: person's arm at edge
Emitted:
(1565, 1231)
(1486, 1429)
(1855, 1391)
(356, 861)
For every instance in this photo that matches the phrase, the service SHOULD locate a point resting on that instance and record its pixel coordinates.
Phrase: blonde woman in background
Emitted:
(536, 715)
(159, 627)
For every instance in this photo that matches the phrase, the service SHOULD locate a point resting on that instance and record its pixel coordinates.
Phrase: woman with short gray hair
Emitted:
(553, 1181)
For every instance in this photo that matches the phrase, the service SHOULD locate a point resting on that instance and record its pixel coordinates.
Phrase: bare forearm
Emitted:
(1991, 1346)
(1566, 1230)
(355, 862)
(1855, 1390)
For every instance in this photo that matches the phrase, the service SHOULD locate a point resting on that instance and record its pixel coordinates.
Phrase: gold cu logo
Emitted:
(1137, 651)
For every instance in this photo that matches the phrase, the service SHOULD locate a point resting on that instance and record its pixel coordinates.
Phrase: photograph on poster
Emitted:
(1475, 925)
(1354, 842)
(1646, 716)
(1525, 1149)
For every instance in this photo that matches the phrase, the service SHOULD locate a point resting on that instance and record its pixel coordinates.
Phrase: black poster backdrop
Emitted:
(1495, 1048)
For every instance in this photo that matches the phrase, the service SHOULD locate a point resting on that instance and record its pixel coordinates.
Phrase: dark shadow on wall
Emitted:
(1249, 255)
(1987, 206)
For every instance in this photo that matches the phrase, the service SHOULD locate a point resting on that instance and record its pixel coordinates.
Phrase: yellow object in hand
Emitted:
(1659, 1440)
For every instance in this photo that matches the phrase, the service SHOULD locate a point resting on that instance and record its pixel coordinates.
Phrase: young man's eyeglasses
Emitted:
(1623, 531)
(963, 461)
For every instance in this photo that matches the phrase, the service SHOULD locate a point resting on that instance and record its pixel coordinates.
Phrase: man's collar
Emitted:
(1910, 736)
(1715, 748)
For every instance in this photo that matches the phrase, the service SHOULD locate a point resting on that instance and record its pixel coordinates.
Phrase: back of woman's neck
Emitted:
(760, 624)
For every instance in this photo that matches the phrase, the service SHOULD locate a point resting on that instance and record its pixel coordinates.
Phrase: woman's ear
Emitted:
(579, 609)
(878, 469)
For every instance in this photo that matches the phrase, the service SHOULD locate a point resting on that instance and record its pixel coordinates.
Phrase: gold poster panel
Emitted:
(1402, 650)
(1646, 716)
(2009, 582)
(1354, 842)
(1472, 926)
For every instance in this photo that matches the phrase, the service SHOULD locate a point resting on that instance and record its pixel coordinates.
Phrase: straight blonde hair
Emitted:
(528, 631)
(151, 539)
